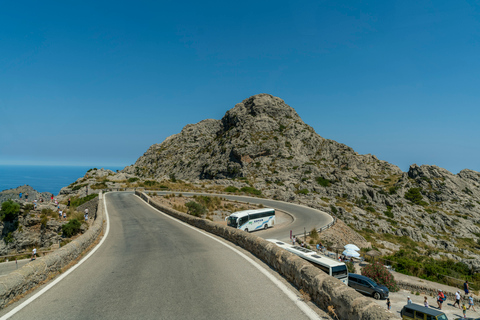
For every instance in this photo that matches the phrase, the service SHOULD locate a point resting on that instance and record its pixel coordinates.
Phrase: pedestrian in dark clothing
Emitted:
(465, 288)
(68, 204)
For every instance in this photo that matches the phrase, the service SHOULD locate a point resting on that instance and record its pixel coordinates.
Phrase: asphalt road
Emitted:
(153, 267)
(304, 218)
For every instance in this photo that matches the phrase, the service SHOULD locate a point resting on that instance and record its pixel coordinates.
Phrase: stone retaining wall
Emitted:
(324, 290)
(30, 275)
(423, 289)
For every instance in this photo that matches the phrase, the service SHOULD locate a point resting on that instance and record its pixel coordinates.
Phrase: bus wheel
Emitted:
(246, 229)
(266, 226)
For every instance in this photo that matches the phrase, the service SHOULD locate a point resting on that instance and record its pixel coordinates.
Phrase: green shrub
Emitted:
(323, 182)
(71, 228)
(78, 187)
(231, 189)
(303, 191)
(370, 209)
(314, 234)
(43, 220)
(388, 213)
(79, 201)
(350, 267)
(132, 180)
(414, 195)
(9, 237)
(195, 208)
(334, 209)
(9, 210)
(172, 177)
(380, 274)
(251, 190)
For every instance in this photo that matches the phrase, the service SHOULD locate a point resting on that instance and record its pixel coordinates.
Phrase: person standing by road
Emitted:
(466, 288)
(20, 195)
(86, 214)
(389, 305)
(26, 196)
(34, 254)
(68, 203)
(440, 299)
(425, 302)
(409, 301)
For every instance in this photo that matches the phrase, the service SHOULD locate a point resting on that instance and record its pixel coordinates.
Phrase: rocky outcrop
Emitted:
(263, 143)
(13, 194)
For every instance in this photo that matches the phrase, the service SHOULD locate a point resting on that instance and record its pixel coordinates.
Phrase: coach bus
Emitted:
(251, 220)
(331, 267)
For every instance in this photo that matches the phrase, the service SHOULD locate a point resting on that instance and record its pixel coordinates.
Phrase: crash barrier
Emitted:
(33, 273)
(324, 290)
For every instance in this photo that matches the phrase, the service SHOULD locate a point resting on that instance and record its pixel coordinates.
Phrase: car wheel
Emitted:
(265, 227)
(246, 229)
(376, 295)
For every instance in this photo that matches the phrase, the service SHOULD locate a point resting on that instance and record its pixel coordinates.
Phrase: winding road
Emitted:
(152, 266)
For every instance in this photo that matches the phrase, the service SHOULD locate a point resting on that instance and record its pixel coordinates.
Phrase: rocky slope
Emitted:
(262, 143)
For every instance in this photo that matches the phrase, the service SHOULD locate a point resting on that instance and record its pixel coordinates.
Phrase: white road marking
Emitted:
(290, 294)
(57, 280)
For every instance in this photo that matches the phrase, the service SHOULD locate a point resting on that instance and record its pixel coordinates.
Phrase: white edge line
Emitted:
(291, 295)
(63, 275)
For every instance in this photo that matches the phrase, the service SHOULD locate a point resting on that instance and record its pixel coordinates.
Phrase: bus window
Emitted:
(242, 220)
(339, 271)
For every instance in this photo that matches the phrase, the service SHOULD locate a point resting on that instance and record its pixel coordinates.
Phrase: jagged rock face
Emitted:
(264, 142)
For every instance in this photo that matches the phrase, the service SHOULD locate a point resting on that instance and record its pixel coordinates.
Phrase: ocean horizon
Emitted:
(43, 178)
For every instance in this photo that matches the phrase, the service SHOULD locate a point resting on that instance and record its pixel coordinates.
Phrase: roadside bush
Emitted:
(251, 190)
(79, 201)
(195, 208)
(9, 210)
(71, 228)
(78, 187)
(380, 274)
(132, 180)
(350, 267)
(231, 189)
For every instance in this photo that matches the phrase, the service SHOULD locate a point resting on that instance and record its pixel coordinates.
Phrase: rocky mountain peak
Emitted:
(259, 107)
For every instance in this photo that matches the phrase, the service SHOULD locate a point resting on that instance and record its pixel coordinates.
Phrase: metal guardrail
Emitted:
(331, 224)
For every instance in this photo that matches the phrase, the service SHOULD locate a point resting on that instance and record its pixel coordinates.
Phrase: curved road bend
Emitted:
(304, 217)
(153, 267)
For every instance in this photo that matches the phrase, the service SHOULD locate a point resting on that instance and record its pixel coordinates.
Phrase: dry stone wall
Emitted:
(32, 274)
(324, 290)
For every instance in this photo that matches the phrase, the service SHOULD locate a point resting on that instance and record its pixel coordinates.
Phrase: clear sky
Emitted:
(98, 82)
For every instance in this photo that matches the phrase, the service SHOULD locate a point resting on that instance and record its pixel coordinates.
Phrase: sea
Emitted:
(42, 178)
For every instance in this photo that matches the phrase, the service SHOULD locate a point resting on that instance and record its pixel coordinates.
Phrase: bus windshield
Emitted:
(339, 271)
(232, 222)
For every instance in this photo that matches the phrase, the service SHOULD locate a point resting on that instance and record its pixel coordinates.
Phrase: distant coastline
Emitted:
(42, 178)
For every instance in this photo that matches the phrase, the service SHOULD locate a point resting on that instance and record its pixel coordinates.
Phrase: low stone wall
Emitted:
(428, 290)
(324, 290)
(33, 273)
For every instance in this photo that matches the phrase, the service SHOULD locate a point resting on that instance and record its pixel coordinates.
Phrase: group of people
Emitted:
(441, 298)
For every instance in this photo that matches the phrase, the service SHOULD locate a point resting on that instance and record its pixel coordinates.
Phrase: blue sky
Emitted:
(97, 83)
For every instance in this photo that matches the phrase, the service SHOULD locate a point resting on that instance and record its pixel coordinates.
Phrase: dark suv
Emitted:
(367, 286)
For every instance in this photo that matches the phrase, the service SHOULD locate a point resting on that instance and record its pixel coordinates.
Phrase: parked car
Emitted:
(415, 311)
(367, 286)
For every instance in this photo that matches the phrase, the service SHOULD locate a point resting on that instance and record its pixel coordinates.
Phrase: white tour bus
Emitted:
(251, 220)
(331, 267)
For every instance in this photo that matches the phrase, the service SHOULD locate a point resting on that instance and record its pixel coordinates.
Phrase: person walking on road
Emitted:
(86, 214)
(409, 301)
(466, 288)
(470, 303)
(440, 299)
(425, 302)
(34, 254)
(457, 299)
